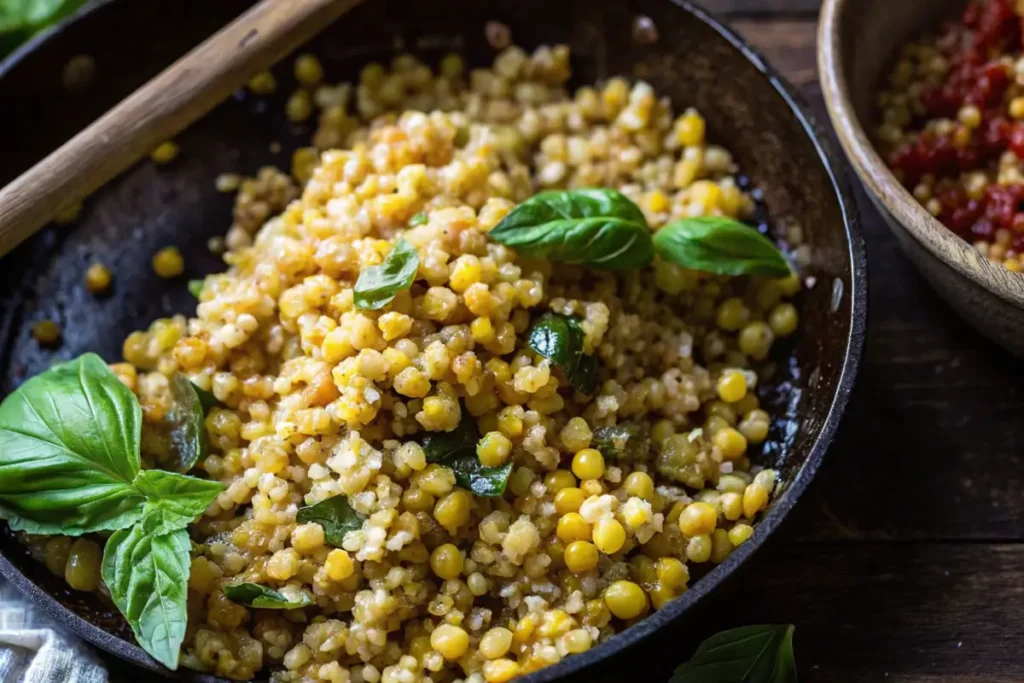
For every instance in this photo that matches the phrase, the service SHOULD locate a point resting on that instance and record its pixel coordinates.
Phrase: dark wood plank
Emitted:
(788, 44)
(765, 8)
(870, 612)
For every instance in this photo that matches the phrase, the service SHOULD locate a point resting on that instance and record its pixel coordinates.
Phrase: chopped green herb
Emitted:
(418, 220)
(262, 597)
(378, 285)
(625, 442)
(559, 338)
(195, 287)
(189, 442)
(336, 517)
(456, 450)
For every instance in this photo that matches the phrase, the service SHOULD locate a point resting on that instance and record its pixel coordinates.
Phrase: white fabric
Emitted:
(33, 649)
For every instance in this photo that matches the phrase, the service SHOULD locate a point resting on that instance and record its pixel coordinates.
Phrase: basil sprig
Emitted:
(456, 450)
(378, 285)
(336, 517)
(70, 464)
(751, 654)
(263, 597)
(147, 575)
(69, 451)
(596, 227)
(559, 338)
(715, 244)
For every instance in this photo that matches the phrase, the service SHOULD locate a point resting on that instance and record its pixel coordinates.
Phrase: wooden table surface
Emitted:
(904, 561)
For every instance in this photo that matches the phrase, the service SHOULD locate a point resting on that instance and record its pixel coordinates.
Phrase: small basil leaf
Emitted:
(594, 227)
(378, 285)
(751, 654)
(714, 244)
(173, 500)
(206, 398)
(147, 575)
(626, 441)
(336, 517)
(69, 451)
(456, 450)
(559, 338)
(189, 441)
(262, 597)
(418, 220)
(195, 287)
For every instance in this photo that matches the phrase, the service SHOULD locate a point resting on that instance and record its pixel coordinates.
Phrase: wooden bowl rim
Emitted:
(854, 339)
(924, 228)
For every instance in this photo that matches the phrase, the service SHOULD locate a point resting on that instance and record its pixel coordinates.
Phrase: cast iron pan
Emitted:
(694, 60)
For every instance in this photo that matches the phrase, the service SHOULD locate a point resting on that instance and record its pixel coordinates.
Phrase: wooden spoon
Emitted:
(161, 108)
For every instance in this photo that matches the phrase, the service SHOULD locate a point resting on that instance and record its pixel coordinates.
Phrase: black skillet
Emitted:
(678, 48)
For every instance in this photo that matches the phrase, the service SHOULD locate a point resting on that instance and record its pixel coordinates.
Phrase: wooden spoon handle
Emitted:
(161, 108)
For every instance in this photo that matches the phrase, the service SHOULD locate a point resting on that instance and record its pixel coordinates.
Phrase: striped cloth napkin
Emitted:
(33, 649)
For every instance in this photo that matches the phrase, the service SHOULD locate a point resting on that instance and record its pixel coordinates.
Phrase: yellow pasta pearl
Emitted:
(609, 536)
(588, 464)
(625, 599)
(580, 556)
(572, 527)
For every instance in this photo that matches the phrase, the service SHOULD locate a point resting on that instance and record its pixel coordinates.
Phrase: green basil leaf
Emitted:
(378, 285)
(19, 19)
(456, 450)
(559, 338)
(336, 517)
(206, 398)
(418, 220)
(626, 442)
(147, 575)
(69, 451)
(195, 287)
(714, 244)
(186, 418)
(174, 500)
(751, 654)
(600, 228)
(262, 597)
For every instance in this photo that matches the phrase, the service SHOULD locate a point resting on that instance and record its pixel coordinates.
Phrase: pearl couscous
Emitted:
(612, 498)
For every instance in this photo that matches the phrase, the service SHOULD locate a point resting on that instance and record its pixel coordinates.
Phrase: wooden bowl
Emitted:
(857, 41)
(694, 60)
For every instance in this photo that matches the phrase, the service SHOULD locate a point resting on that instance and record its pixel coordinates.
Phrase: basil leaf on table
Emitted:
(456, 450)
(147, 575)
(751, 654)
(335, 516)
(600, 228)
(173, 500)
(559, 338)
(714, 244)
(69, 451)
(262, 597)
(189, 442)
(626, 441)
(378, 285)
